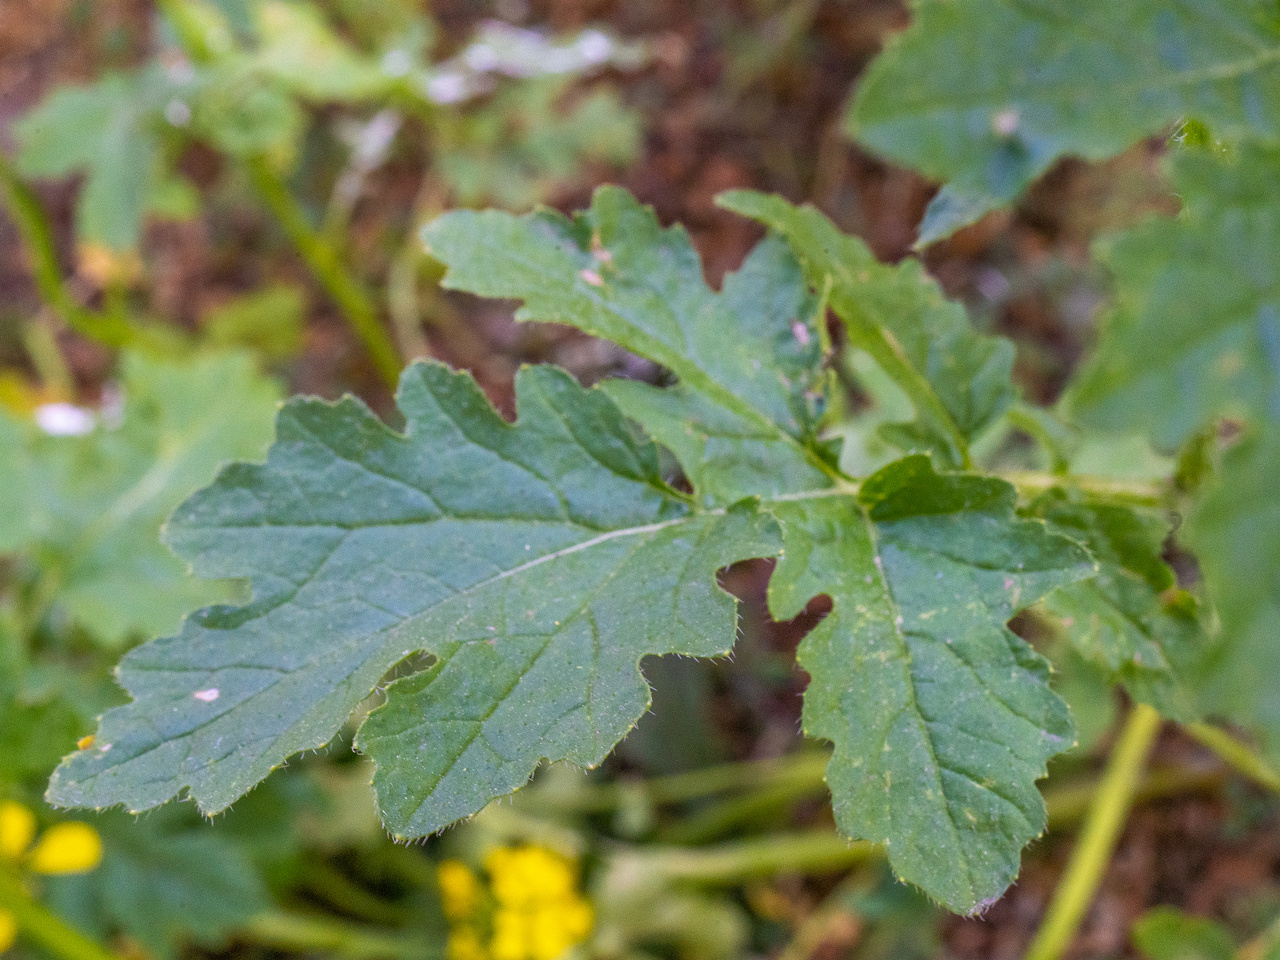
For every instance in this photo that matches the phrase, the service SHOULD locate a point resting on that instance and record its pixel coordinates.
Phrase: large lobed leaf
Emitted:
(941, 716)
(538, 562)
(985, 94)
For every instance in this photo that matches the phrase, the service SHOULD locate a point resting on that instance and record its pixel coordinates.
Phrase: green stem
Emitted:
(325, 265)
(818, 851)
(43, 928)
(341, 892)
(29, 218)
(299, 933)
(1135, 492)
(808, 851)
(765, 803)
(1236, 754)
(1101, 832)
(1068, 804)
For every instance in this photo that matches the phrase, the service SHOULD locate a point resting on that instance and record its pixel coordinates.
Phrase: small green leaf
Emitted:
(950, 209)
(942, 718)
(958, 380)
(1169, 934)
(271, 321)
(986, 94)
(1130, 620)
(303, 53)
(165, 882)
(549, 550)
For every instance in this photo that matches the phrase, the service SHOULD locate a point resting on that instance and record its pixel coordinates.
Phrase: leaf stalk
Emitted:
(1097, 842)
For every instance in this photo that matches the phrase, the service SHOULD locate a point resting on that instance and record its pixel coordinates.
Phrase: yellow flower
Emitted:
(8, 930)
(524, 875)
(67, 848)
(540, 913)
(17, 829)
(459, 889)
(64, 848)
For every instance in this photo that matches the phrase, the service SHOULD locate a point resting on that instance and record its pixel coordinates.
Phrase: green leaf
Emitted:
(958, 380)
(1130, 620)
(1196, 330)
(108, 131)
(89, 508)
(1235, 533)
(167, 882)
(1169, 934)
(942, 718)
(915, 560)
(986, 94)
(302, 52)
(744, 416)
(538, 562)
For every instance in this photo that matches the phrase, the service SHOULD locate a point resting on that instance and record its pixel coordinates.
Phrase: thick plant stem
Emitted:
(43, 928)
(352, 299)
(1098, 839)
(32, 224)
(1236, 754)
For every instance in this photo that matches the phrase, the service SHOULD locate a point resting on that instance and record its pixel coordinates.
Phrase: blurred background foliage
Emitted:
(211, 204)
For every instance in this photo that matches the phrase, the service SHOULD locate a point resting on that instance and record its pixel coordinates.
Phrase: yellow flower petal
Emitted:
(67, 848)
(17, 829)
(8, 930)
(459, 889)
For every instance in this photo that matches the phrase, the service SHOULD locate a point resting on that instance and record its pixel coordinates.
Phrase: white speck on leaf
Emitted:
(208, 696)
